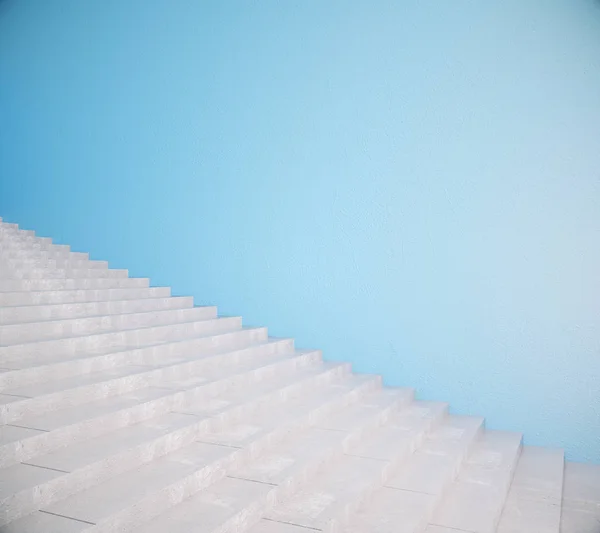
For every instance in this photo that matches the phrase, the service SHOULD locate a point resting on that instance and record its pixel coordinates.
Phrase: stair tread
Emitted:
(45, 285)
(28, 363)
(475, 500)
(406, 502)
(102, 500)
(345, 482)
(78, 327)
(246, 485)
(21, 298)
(534, 498)
(81, 412)
(79, 454)
(440, 453)
(125, 409)
(103, 450)
(56, 312)
(61, 385)
(18, 354)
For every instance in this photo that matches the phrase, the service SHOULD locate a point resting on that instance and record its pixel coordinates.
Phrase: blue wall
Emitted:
(412, 186)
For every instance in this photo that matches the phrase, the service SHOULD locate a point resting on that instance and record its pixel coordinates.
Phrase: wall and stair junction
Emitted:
(123, 408)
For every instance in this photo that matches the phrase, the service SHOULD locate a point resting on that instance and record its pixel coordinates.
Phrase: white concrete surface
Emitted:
(125, 409)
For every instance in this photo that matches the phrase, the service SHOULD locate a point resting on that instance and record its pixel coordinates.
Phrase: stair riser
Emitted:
(44, 313)
(9, 242)
(51, 274)
(80, 296)
(341, 521)
(122, 340)
(71, 284)
(12, 235)
(459, 460)
(175, 493)
(13, 412)
(16, 247)
(14, 228)
(92, 474)
(22, 450)
(503, 489)
(32, 264)
(43, 255)
(150, 355)
(41, 331)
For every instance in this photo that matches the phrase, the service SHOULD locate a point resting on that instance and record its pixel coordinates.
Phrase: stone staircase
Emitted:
(124, 409)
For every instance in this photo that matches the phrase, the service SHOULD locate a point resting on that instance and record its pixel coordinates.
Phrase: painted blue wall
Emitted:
(411, 186)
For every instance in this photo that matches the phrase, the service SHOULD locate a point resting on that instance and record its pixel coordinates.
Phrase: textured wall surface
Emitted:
(411, 186)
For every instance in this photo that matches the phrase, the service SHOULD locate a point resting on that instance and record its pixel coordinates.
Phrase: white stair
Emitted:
(123, 409)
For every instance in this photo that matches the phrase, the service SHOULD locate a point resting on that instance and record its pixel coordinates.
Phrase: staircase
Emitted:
(125, 409)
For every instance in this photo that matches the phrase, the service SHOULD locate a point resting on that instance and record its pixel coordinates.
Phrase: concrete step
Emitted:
(326, 503)
(53, 263)
(14, 228)
(75, 327)
(475, 500)
(17, 315)
(7, 238)
(30, 371)
(37, 246)
(152, 486)
(103, 343)
(9, 225)
(71, 284)
(11, 233)
(73, 273)
(90, 462)
(408, 498)
(581, 498)
(534, 498)
(7, 232)
(43, 434)
(15, 239)
(62, 255)
(123, 409)
(42, 398)
(273, 475)
(22, 298)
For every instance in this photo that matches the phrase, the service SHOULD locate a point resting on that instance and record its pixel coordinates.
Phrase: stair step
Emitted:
(10, 227)
(534, 498)
(235, 502)
(101, 343)
(15, 403)
(71, 284)
(30, 313)
(7, 246)
(10, 299)
(475, 500)
(349, 481)
(60, 273)
(44, 254)
(124, 409)
(8, 237)
(91, 461)
(91, 419)
(406, 502)
(154, 355)
(53, 264)
(581, 498)
(117, 502)
(35, 400)
(75, 327)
